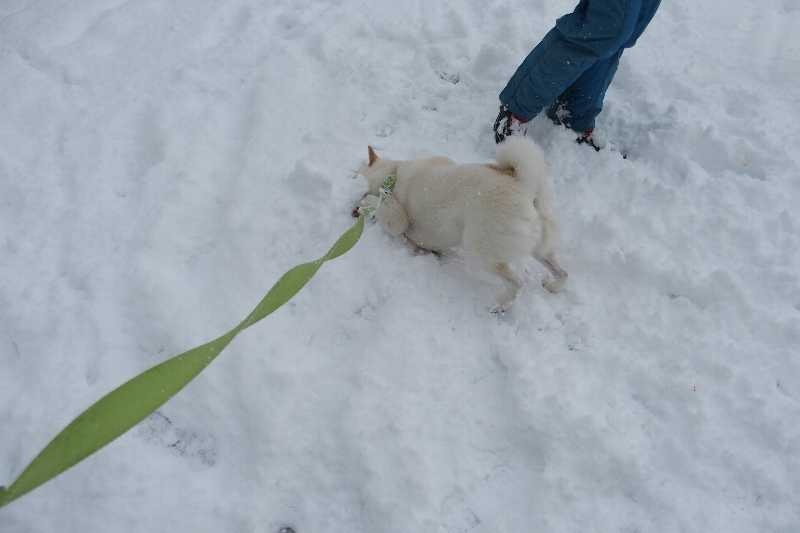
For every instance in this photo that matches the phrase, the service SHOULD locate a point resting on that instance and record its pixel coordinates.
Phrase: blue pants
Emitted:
(575, 62)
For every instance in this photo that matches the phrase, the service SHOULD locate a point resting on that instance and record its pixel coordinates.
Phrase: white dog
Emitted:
(496, 212)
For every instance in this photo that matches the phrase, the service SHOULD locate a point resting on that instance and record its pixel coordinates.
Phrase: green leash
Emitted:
(124, 407)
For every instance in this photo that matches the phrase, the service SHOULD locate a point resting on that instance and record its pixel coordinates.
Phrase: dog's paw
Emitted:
(497, 310)
(501, 308)
(554, 285)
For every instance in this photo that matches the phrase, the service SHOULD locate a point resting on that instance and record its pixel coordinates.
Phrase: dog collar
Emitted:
(387, 188)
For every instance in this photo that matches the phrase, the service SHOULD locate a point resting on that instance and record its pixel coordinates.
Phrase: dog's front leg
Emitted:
(559, 274)
(416, 249)
(392, 216)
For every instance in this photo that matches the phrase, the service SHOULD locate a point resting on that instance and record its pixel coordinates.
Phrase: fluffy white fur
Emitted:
(497, 213)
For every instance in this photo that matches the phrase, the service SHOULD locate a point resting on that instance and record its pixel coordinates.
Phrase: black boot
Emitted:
(586, 138)
(502, 124)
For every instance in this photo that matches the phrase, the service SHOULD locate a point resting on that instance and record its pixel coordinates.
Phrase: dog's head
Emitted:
(376, 169)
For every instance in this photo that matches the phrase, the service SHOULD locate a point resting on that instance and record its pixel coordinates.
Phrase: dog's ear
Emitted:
(372, 156)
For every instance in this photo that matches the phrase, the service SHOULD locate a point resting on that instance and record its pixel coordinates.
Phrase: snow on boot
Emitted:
(558, 113)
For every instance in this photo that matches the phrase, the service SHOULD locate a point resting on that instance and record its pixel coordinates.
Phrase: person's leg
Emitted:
(583, 100)
(595, 31)
(646, 13)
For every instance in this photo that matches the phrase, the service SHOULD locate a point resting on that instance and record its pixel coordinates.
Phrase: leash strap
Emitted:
(124, 407)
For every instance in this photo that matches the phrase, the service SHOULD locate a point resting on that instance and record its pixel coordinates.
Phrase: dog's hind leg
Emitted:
(556, 283)
(492, 249)
(513, 284)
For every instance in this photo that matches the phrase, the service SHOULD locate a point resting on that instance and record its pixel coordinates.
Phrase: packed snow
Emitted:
(163, 163)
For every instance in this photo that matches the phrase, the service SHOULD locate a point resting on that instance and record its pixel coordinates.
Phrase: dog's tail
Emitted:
(526, 159)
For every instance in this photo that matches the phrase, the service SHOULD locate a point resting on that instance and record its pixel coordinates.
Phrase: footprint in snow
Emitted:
(189, 443)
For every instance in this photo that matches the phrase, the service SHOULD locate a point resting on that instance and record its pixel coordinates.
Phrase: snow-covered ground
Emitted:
(162, 163)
